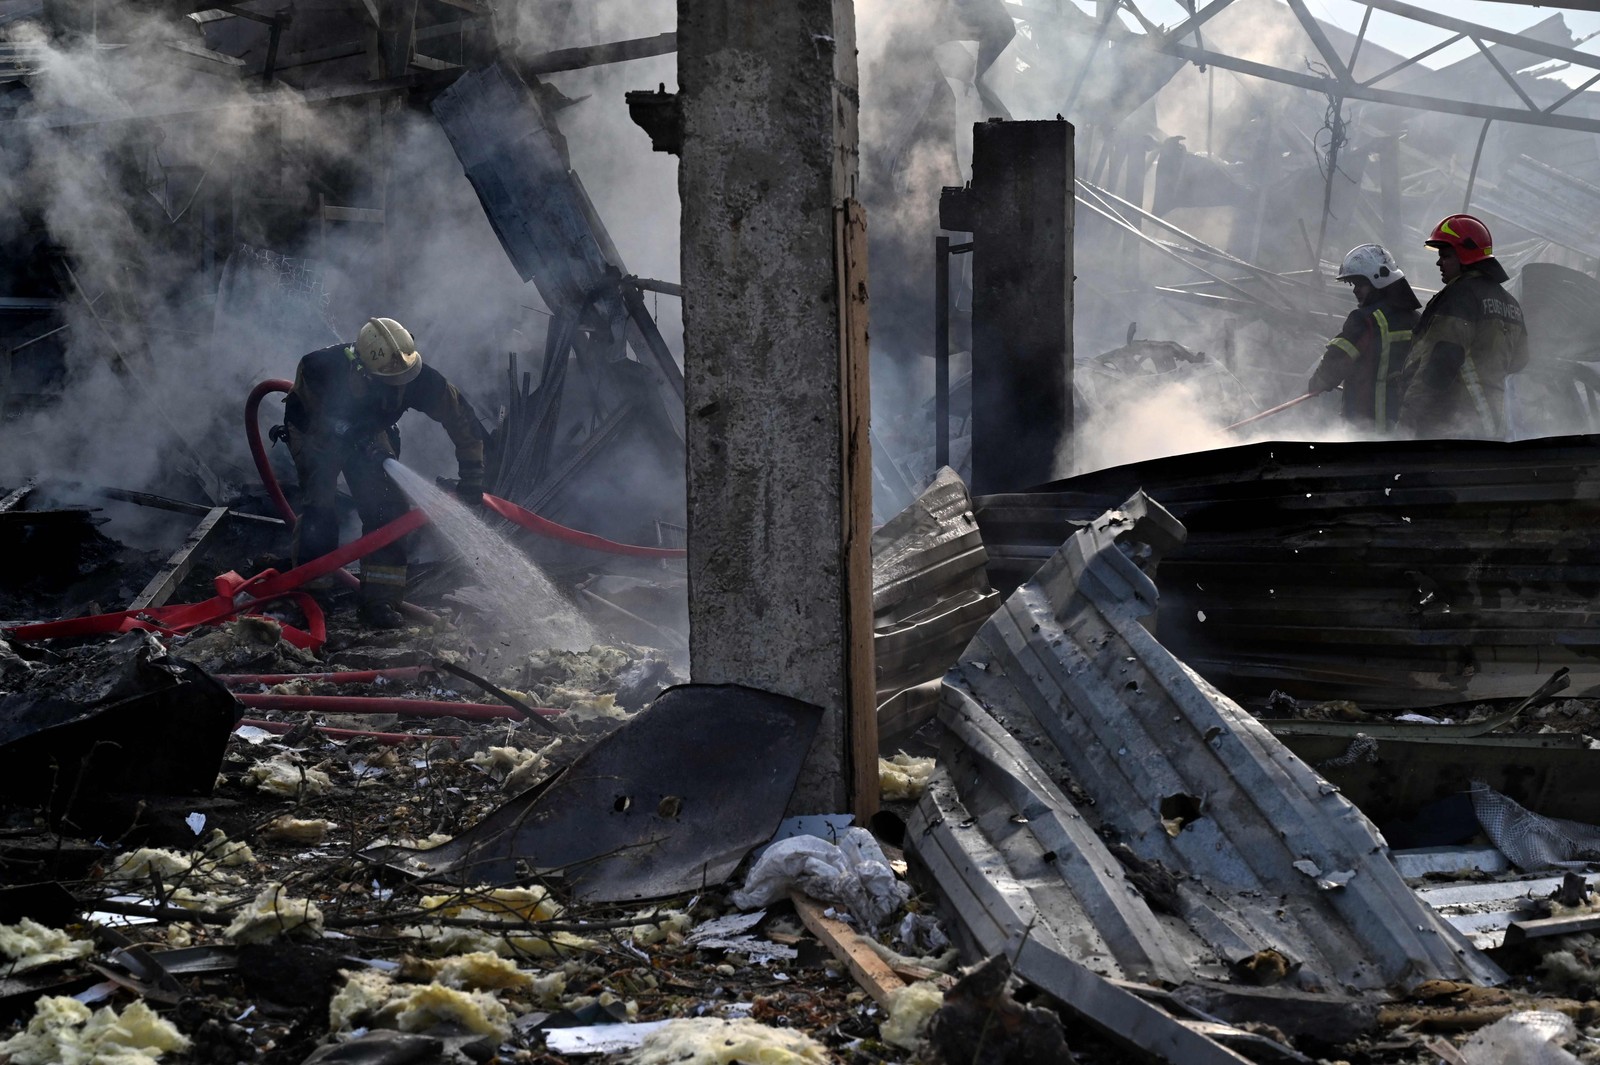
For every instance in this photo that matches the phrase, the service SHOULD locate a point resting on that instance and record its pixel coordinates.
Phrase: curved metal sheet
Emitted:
(670, 802)
(1267, 855)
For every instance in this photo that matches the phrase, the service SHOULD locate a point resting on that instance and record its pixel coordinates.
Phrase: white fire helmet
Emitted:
(387, 352)
(1371, 262)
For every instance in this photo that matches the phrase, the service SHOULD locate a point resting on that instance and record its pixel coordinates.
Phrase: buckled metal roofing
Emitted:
(929, 595)
(1393, 573)
(1227, 845)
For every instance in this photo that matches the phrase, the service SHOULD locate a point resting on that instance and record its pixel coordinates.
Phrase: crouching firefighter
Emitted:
(1369, 354)
(340, 417)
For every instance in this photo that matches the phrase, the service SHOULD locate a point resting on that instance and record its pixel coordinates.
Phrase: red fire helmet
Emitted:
(1466, 234)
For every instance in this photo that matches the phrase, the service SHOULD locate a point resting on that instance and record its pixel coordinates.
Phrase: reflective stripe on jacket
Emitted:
(1470, 339)
(1368, 357)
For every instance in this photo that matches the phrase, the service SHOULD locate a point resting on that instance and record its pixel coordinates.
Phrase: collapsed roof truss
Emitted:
(1341, 83)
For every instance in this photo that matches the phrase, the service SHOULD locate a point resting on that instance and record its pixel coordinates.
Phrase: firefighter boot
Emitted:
(382, 588)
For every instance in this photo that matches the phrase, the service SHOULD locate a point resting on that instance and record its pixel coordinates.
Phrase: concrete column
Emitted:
(774, 370)
(1019, 211)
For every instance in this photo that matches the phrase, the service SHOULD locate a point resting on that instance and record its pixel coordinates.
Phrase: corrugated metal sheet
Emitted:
(19, 61)
(1393, 573)
(1224, 827)
(1558, 206)
(930, 592)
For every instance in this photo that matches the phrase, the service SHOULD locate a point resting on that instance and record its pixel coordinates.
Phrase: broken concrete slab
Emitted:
(1223, 827)
(670, 802)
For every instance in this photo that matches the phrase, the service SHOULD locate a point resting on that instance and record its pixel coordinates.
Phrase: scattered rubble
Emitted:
(252, 829)
(280, 860)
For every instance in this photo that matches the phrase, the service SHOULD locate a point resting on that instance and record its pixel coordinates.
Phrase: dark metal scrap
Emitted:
(669, 802)
(1392, 573)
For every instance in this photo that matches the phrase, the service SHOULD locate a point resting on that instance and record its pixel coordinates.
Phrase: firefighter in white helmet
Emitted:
(1369, 354)
(341, 417)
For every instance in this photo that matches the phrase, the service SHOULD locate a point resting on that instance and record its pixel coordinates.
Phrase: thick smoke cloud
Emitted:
(122, 200)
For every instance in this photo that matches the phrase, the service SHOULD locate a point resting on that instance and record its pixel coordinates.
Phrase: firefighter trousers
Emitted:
(378, 500)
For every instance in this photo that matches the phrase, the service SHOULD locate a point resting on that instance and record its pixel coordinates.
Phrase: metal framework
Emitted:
(1340, 82)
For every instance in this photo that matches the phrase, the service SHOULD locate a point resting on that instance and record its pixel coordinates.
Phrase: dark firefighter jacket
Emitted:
(1369, 354)
(337, 406)
(1470, 339)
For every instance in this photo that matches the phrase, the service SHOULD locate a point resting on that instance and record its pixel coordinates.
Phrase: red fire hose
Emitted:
(362, 704)
(235, 594)
(545, 527)
(252, 432)
(505, 508)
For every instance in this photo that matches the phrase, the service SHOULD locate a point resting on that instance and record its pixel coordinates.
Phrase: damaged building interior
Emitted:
(938, 588)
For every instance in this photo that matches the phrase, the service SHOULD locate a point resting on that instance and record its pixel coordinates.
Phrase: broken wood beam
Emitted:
(650, 284)
(856, 446)
(17, 495)
(876, 977)
(595, 55)
(146, 499)
(166, 581)
(1543, 927)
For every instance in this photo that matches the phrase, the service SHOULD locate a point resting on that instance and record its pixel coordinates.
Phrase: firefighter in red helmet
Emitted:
(1470, 338)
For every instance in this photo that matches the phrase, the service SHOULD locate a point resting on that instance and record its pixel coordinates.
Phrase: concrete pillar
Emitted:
(779, 468)
(1019, 211)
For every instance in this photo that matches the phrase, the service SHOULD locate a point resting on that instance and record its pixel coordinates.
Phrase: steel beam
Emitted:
(171, 575)
(1313, 28)
(1472, 29)
(1504, 73)
(1193, 23)
(1419, 57)
(1365, 91)
(597, 54)
(17, 496)
(1345, 86)
(1570, 5)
